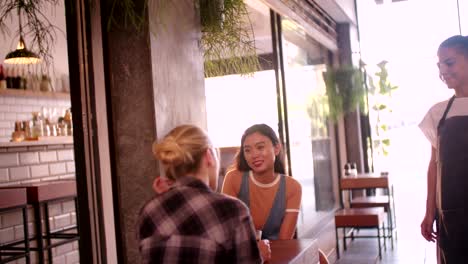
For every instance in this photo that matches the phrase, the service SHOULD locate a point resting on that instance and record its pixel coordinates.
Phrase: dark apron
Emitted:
(452, 188)
(273, 223)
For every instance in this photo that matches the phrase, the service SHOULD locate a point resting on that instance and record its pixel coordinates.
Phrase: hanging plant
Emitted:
(227, 33)
(227, 38)
(345, 90)
(35, 24)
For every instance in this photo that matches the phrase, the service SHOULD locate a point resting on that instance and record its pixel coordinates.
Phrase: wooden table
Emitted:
(294, 251)
(365, 180)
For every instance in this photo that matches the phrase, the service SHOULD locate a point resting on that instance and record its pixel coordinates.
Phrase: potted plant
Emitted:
(345, 90)
(380, 93)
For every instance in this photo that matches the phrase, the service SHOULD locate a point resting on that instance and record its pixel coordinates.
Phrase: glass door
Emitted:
(310, 144)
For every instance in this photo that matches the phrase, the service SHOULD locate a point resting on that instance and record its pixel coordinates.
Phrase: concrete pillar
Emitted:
(155, 81)
(352, 121)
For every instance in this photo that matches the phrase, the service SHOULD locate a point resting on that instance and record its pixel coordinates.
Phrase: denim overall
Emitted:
(272, 226)
(452, 188)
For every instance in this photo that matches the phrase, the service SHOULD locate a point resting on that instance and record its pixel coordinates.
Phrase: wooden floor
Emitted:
(406, 250)
(410, 247)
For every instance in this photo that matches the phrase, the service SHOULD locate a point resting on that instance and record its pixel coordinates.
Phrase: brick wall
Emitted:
(13, 108)
(28, 164)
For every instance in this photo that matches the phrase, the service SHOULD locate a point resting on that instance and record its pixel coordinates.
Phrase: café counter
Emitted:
(42, 162)
(50, 158)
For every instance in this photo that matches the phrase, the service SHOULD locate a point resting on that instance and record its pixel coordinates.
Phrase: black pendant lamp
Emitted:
(21, 55)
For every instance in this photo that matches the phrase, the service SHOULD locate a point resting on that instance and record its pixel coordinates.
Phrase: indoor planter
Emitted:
(345, 90)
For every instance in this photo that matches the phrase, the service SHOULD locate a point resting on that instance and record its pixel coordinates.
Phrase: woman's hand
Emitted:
(427, 229)
(264, 247)
(161, 184)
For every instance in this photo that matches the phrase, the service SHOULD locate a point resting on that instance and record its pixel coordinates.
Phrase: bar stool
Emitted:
(40, 195)
(349, 219)
(12, 199)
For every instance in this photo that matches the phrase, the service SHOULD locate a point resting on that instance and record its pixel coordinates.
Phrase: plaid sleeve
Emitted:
(246, 249)
(145, 229)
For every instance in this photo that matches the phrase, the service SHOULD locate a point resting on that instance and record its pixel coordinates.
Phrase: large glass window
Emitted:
(235, 102)
(305, 61)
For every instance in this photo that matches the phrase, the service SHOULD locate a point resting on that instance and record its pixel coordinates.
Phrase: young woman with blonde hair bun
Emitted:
(189, 222)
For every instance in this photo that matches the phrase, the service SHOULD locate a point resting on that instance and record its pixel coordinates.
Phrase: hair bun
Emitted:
(181, 151)
(169, 152)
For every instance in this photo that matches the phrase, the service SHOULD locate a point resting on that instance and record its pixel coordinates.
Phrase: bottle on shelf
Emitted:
(8, 78)
(22, 79)
(67, 119)
(15, 77)
(27, 129)
(347, 169)
(354, 171)
(45, 83)
(38, 126)
(3, 82)
(18, 134)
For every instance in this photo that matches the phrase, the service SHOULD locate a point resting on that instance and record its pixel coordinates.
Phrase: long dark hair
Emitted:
(267, 132)
(458, 42)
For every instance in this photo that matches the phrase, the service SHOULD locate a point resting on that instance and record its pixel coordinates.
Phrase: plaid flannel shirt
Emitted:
(192, 224)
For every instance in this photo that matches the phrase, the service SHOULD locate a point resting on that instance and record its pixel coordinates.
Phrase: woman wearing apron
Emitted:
(446, 127)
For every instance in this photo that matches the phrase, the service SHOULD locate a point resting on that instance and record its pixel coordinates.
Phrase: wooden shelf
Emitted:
(30, 93)
(60, 140)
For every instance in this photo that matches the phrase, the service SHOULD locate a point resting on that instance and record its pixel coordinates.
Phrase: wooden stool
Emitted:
(352, 218)
(39, 196)
(12, 199)
(386, 201)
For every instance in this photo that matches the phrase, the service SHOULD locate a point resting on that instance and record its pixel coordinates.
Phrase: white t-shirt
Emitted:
(431, 120)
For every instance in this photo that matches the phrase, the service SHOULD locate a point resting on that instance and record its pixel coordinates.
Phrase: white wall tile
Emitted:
(4, 108)
(19, 173)
(51, 178)
(7, 234)
(3, 175)
(39, 170)
(15, 109)
(10, 100)
(19, 231)
(10, 117)
(62, 220)
(67, 177)
(63, 249)
(59, 259)
(22, 100)
(6, 124)
(27, 109)
(8, 160)
(55, 209)
(70, 166)
(12, 219)
(48, 156)
(66, 154)
(68, 206)
(72, 257)
(23, 116)
(29, 158)
(57, 168)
